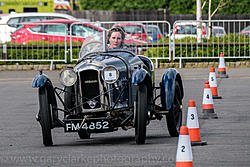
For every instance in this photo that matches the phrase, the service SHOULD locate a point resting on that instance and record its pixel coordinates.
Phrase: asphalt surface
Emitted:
(227, 137)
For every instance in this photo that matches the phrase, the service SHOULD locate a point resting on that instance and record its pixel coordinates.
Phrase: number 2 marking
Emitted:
(183, 148)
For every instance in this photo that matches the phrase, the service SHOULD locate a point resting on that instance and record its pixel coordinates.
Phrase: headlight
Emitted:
(110, 74)
(67, 77)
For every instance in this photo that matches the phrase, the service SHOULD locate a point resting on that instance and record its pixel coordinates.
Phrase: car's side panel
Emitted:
(168, 87)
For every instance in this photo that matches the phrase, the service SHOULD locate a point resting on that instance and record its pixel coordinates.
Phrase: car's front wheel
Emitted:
(174, 117)
(141, 115)
(45, 116)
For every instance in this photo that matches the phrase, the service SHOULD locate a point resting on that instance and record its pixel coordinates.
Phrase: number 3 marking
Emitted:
(192, 116)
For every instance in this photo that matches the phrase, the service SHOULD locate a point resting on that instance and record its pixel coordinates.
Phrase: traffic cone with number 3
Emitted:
(207, 103)
(193, 125)
(213, 83)
(184, 157)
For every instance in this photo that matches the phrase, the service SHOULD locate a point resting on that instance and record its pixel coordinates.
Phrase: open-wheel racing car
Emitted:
(108, 89)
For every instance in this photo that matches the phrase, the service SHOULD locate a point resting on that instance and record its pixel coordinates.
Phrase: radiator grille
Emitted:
(90, 89)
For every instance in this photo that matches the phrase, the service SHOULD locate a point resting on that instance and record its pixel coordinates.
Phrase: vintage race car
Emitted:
(107, 90)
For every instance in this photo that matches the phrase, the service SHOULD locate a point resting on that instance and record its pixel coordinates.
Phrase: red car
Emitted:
(54, 31)
(59, 30)
(137, 31)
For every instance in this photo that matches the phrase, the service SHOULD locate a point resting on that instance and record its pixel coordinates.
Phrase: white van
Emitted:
(188, 29)
(218, 31)
(9, 22)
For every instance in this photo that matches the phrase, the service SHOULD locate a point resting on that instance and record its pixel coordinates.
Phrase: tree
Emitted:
(238, 7)
(198, 18)
(122, 4)
(175, 6)
(232, 7)
(74, 4)
(182, 6)
(219, 5)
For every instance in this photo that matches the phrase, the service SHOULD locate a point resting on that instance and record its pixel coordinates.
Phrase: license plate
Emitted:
(91, 125)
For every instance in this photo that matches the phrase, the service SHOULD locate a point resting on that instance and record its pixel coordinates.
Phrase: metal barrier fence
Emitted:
(144, 37)
(232, 37)
(31, 42)
(61, 41)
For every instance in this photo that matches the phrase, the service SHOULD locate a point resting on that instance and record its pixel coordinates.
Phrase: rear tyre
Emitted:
(174, 117)
(141, 115)
(45, 116)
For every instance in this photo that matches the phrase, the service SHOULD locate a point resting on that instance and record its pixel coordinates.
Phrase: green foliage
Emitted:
(234, 46)
(232, 7)
(175, 6)
(182, 6)
(122, 4)
(212, 51)
(39, 51)
(213, 39)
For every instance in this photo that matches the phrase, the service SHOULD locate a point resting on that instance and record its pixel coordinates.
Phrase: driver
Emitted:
(115, 38)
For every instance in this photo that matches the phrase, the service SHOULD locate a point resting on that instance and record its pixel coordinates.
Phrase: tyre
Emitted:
(174, 117)
(141, 115)
(83, 134)
(45, 116)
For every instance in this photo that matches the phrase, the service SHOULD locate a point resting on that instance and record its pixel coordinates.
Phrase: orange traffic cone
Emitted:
(222, 67)
(184, 157)
(208, 104)
(193, 125)
(213, 83)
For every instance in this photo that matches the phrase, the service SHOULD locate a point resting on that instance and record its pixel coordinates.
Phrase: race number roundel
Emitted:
(110, 75)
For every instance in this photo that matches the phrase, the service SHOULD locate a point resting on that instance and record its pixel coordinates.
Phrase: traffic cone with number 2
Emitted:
(184, 157)
(193, 125)
(207, 103)
(213, 83)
